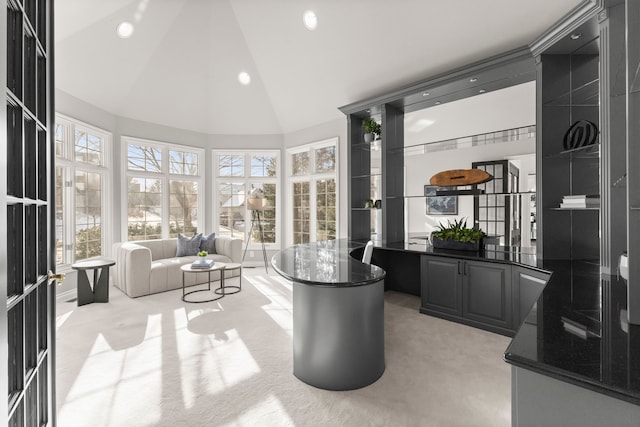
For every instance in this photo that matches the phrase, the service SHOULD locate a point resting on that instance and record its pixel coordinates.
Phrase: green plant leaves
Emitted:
(458, 231)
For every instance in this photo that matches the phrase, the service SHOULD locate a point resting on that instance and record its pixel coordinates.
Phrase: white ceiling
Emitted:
(180, 67)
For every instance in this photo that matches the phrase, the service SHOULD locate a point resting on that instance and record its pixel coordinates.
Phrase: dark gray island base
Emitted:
(338, 314)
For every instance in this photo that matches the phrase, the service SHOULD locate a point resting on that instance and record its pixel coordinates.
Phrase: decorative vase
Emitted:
(368, 137)
(455, 244)
(202, 260)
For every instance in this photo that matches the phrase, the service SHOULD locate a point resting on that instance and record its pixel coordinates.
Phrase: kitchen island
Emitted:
(338, 314)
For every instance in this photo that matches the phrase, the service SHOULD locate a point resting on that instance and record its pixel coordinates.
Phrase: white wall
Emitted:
(508, 108)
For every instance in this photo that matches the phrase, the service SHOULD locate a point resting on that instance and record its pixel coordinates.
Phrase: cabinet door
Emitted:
(441, 287)
(487, 293)
(527, 287)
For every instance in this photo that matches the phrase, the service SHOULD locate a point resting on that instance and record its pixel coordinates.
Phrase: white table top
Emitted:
(188, 269)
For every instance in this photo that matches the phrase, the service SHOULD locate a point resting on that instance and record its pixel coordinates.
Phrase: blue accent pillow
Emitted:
(208, 243)
(188, 246)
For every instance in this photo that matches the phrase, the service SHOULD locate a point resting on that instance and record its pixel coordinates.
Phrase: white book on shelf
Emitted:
(582, 196)
(578, 205)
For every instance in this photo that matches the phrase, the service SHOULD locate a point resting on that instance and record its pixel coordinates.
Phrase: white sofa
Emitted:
(147, 267)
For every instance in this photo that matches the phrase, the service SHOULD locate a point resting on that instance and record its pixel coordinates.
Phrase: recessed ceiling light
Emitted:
(473, 79)
(244, 78)
(425, 93)
(575, 36)
(125, 29)
(310, 20)
(437, 102)
(482, 90)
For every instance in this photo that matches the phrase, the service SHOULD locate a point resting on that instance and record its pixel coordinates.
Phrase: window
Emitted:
(238, 174)
(313, 183)
(163, 189)
(81, 187)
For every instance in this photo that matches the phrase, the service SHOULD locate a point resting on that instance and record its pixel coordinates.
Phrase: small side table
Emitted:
(222, 290)
(100, 291)
(188, 269)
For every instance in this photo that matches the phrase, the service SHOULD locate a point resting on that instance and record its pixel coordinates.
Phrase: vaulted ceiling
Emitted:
(180, 66)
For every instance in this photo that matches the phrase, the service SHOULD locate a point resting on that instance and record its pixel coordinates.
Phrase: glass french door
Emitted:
(27, 256)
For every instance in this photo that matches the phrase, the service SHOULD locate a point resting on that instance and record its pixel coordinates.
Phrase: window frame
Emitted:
(70, 166)
(312, 177)
(166, 177)
(246, 180)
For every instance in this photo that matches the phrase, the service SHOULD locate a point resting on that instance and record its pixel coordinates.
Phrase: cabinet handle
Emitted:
(459, 267)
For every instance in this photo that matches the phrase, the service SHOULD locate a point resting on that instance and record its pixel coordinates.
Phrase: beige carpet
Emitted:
(156, 361)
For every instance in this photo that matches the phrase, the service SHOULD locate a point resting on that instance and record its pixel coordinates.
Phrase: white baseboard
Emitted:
(254, 264)
(66, 295)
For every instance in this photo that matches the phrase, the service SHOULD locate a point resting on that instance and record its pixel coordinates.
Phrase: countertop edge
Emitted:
(569, 377)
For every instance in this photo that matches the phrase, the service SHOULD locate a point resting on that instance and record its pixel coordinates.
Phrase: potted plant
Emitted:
(457, 236)
(202, 257)
(371, 128)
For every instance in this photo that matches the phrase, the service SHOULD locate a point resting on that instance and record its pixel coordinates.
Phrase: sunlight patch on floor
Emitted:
(210, 363)
(60, 319)
(108, 379)
(280, 309)
(270, 412)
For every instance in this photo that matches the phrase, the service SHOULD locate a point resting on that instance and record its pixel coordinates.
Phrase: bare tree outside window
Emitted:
(88, 188)
(231, 209)
(314, 192)
(231, 165)
(301, 212)
(263, 166)
(325, 159)
(144, 208)
(80, 185)
(88, 148)
(300, 163)
(238, 174)
(60, 223)
(145, 200)
(325, 209)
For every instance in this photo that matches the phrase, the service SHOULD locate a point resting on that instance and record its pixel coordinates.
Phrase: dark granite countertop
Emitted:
(492, 253)
(577, 332)
(326, 263)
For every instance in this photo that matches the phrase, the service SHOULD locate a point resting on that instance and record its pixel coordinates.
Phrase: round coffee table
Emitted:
(187, 268)
(222, 290)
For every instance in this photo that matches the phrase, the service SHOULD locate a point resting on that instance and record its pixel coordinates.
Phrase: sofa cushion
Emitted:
(208, 243)
(188, 246)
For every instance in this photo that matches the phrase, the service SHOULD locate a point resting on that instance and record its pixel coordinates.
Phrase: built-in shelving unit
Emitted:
(27, 315)
(568, 83)
(369, 180)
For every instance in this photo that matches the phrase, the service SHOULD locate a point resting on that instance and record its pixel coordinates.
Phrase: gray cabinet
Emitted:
(527, 285)
(476, 293)
(441, 285)
(486, 291)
